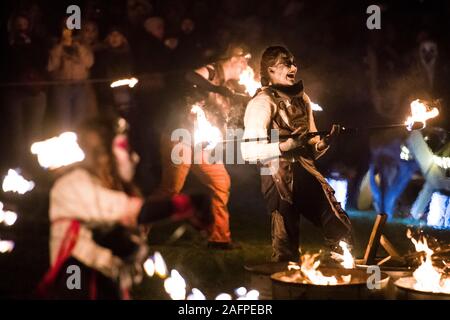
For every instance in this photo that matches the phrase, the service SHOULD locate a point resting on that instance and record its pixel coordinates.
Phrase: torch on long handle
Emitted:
(343, 130)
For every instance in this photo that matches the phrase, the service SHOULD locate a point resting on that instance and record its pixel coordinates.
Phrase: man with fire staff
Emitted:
(211, 87)
(294, 186)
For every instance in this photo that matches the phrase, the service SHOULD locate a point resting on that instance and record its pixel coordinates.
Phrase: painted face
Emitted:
(284, 71)
(428, 52)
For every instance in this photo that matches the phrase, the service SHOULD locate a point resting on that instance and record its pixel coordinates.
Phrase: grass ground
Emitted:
(209, 270)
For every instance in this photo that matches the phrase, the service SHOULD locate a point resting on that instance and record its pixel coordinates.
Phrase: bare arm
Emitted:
(199, 78)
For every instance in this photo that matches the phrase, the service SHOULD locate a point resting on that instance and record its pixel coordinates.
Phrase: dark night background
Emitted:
(360, 77)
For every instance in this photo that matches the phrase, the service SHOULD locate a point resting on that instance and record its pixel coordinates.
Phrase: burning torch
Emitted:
(421, 111)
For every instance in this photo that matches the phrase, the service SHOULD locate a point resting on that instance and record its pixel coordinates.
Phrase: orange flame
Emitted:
(428, 278)
(420, 112)
(346, 259)
(247, 79)
(309, 273)
(204, 131)
(58, 151)
(125, 82)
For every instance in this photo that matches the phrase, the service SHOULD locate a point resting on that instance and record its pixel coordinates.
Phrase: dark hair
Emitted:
(235, 49)
(269, 58)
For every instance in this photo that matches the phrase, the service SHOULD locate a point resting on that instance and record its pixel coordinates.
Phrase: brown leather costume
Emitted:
(297, 187)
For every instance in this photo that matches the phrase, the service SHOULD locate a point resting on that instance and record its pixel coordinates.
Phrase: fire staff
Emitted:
(295, 186)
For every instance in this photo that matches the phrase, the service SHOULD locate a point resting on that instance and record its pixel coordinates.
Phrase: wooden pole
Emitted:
(374, 240)
(388, 246)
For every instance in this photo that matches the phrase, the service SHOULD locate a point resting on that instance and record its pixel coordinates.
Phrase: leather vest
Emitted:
(292, 114)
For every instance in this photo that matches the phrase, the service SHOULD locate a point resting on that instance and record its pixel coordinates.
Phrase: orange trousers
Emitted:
(213, 176)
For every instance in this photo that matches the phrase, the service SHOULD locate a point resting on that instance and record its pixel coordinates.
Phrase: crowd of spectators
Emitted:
(52, 78)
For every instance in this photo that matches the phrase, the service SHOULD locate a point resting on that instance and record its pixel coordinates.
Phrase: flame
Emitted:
(420, 112)
(248, 295)
(14, 182)
(156, 265)
(125, 82)
(8, 217)
(196, 295)
(175, 286)
(149, 267)
(241, 292)
(58, 151)
(204, 131)
(6, 246)
(224, 296)
(160, 265)
(247, 79)
(346, 258)
(309, 274)
(428, 278)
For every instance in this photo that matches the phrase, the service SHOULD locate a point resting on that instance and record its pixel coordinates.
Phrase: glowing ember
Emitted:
(346, 258)
(247, 79)
(125, 82)
(196, 295)
(6, 246)
(420, 112)
(58, 151)
(14, 182)
(308, 273)
(175, 286)
(204, 131)
(427, 277)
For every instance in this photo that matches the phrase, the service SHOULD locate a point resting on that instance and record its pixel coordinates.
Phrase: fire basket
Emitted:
(407, 291)
(351, 284)
(260, 277)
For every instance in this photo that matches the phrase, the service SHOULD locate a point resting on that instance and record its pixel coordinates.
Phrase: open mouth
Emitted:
(290, 76)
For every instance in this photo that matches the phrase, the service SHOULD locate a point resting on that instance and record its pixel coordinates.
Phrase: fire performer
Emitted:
(295, 187)
(97, 217)
(213, 89)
